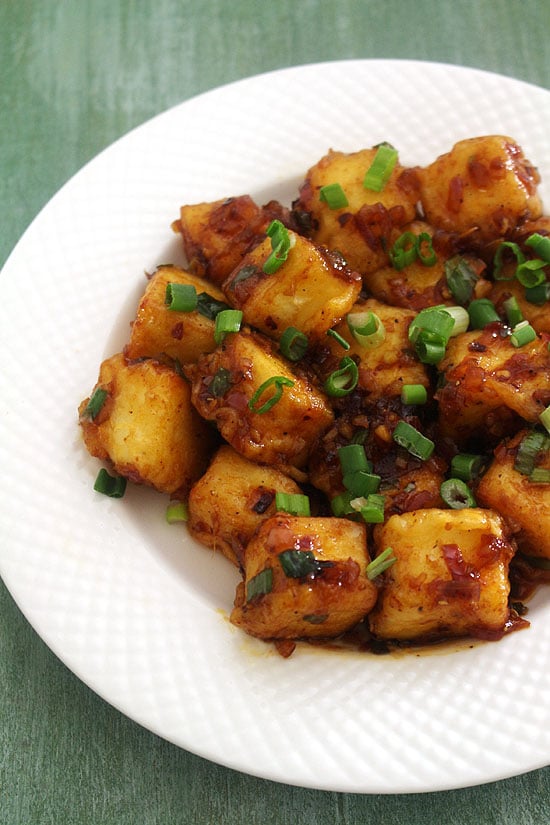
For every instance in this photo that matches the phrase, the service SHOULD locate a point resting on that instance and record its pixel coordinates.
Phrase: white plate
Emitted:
(131, 605)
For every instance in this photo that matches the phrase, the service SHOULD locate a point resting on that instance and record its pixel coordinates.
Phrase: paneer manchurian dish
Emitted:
(349, 397)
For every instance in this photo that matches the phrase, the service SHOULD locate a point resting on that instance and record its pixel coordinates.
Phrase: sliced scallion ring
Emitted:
(333, 195)
(343, 380)
(531, 273)
(382, 166)
(338, 338)
(513, 311)
(413, 441)
(404, 251)
(381, 563)
(228, 320)
(506, 250)
(482, 311)
(95, 404)
(181, 297)
(294, 503)
(540, 244)
(461, 279)
(260, 406)
(414, 394)
(293, 344)
(522, 334)
(367, 328)
(176, 512)
(467, 466)
(456, 494)
(108, 485)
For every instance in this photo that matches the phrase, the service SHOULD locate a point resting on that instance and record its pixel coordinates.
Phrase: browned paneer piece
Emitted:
(386, 362)
(267, 412)
(218, 234)
(147, 428)
(482, 188)
(304, 578)
(311, 290)
(422, 282)
(158, 331)
(491, 385)
(523, 501)
(230, 501)
(450, 577)
(538, 314)
(361, 229)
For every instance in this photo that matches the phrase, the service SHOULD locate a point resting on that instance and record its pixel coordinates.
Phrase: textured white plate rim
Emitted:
(116, 606)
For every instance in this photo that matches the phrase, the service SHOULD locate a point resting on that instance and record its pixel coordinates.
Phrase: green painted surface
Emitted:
(74, 76)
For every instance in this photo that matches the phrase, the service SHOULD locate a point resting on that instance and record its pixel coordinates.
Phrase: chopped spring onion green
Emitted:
(340, 504)
(404, 250)
(424, 249)
(353, 459)
(461, 279)
(532, 445)
(176, 511)
(333, 195)
(531, 273)
(456, 494)
(461, 320)
(467, 466)
(414, 394)
(513, 311)
(544, 418)
(367, 328)
(338, 338)
(382, 166)
(294, 503)
(523, 333)
(540, 244)
(538, 295)
(506, 250)
(208, 306)
(228, 320)
(361, 483)
(293, 344)
(429, 333)
(343, 380)
(260, 584)
(482, 311)
(381, 563)
(413, 441)
(281, 243)
(371, 507)
(108, 485)
(540, 475)
(221, 381)
(276, 381)
(299, 563)
(181, 297)
(95, 403)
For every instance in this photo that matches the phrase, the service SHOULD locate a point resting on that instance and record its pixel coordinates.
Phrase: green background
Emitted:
(74, 76)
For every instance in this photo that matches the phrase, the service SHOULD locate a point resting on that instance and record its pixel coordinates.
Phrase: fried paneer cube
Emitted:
(311, 290)
(158, 331)
(483, 188)
(450, 577)
(360, 230)
(218, 234)
(419, 285)
(524, 503)
(147, 428)
(266, 411)
(230, 501)
(304, 578)
(490, 385)
(387, 364)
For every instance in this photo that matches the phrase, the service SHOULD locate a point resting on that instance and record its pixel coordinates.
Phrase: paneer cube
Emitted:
(312, 290)
(450, 577)
(158, 331)
(492, 385)
(524, 503)
(483, 187)
(230, 501)
(304, 578)
(267, 412)
(147, 427)
(361, 229)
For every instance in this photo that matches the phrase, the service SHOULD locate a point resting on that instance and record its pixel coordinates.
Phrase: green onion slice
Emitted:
(176, 512)
(461, 279)
(414, 394)
(456, 494)
(382, 166)
(108, 485)
(208, 306)
(338, 338)
(523, 333)
(544, 418)
(504, 251)
(181, 297)
(353, 458)
(530, 448)
(467, 466)
(221, 381)
(293, 344)
(435, 320)
(367, 328)
(228, 320)
(381, 563)
(299, 563)
(424, 249)
(281, 243)
(361, 483)
(404, 251)
(538, 295)
(277, 382)
(513, 311)
(461, 320)
(333, 195)
(540, 475)
(294, 503)
(531, 273)
(260, 584)
(413, 441)
(95, 403)
(340, 504)
(482, 311)
(343, 380)
(371, 507)
(540, 244)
